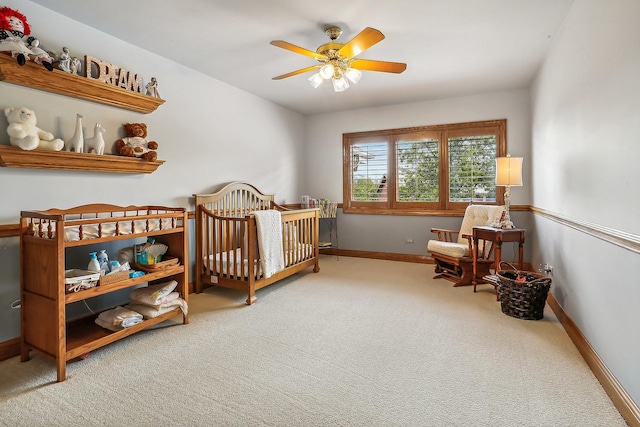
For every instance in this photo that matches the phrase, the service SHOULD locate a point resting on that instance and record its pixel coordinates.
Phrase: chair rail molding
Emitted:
(619, 238)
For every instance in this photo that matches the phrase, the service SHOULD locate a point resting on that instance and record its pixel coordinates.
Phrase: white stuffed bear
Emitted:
(24, 133)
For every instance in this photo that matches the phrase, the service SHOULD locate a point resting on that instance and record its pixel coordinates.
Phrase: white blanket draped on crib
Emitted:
(269, 230)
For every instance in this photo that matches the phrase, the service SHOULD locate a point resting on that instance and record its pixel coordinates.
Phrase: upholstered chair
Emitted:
(453, 250)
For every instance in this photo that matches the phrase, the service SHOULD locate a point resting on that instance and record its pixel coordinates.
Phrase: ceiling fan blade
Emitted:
(297, 49)
(363, 41)
(295, 73)
(384, 66)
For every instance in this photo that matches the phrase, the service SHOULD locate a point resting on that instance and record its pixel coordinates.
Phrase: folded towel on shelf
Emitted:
(155, 301)
(154, 294)
(151, 311)
(118, 318)
(269, 230)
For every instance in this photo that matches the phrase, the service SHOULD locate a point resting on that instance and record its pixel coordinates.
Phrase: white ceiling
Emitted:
(451, 47)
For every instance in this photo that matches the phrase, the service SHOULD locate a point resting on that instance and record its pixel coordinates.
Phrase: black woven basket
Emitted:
(523, 294)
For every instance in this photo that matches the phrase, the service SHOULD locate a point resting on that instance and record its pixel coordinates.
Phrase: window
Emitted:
(422, 170)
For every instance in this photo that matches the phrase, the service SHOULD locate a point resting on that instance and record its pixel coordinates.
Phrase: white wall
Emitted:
(585, 151)
(209, 133)
(386, 233)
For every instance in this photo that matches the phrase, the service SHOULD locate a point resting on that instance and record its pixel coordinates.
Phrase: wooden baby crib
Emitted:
(226, 239)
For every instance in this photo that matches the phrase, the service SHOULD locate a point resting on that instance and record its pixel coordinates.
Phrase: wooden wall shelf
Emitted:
(36, 76)
(15, 157)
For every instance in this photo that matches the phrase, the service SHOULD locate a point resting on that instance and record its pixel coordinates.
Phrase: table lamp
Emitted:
(508, 174)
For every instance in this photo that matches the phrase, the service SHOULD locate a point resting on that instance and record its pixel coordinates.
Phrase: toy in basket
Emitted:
(522, 294)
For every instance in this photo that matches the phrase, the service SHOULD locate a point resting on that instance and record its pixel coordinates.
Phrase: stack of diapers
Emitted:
(153, 300)
(118, 318)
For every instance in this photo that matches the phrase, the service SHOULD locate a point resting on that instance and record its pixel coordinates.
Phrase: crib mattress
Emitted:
(231, 263)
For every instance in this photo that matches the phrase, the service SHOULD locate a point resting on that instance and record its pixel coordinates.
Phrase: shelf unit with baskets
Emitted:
(329, 217)
(45, 237)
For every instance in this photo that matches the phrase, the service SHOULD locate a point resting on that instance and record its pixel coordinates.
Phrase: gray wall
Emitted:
(386, 233)
(585, 155)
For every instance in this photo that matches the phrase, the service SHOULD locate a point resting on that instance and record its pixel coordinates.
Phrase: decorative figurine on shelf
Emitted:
(76, 143)
(152, 88)
(76, 66)
(135, 143)
(96, 142)
(64, 60)
(24, 133)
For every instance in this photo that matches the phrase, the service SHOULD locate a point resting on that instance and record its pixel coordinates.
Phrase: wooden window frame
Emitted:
(391, 136)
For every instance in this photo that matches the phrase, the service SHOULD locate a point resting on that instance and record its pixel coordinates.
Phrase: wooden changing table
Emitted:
(44, 238)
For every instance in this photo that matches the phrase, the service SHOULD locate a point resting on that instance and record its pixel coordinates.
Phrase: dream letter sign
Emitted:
(112, 74)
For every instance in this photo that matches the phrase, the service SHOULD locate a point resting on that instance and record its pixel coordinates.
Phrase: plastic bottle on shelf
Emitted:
(115, 266)
(103, 260)
(94, 265)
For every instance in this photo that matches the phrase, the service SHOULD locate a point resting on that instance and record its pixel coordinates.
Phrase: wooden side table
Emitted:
(497, 236)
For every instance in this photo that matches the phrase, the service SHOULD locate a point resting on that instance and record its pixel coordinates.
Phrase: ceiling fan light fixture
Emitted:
(340, 85)
(326, 71)
(353, 75)
(316, 80)
(334, 59)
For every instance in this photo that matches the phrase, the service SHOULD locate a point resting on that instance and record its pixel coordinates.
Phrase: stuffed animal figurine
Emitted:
(13, 28)
(135, 143)
(24, 133)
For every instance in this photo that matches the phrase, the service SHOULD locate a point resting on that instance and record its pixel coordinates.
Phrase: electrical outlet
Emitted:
(545, 268)
(409, 240)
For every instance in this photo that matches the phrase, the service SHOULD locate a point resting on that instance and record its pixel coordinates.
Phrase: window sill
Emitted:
(407, 212)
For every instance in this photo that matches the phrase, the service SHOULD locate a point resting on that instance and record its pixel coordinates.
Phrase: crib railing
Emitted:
(228, 247)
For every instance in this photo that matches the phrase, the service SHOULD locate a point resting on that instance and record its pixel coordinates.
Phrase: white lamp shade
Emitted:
(316, 80)
(509, 171)
(353, 75)
(340, 85)
(327, 71)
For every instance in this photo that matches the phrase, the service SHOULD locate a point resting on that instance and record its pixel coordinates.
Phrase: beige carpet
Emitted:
(362, 343)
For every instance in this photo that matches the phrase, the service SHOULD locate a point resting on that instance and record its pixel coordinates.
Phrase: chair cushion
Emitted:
(478, 215)
(452, 249)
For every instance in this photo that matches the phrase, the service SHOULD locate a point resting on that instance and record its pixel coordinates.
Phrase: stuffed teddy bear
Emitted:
(13, 28)
(24, 133)
(135, 143)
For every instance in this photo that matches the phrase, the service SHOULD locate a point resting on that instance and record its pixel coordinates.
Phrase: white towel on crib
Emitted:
(269, 230)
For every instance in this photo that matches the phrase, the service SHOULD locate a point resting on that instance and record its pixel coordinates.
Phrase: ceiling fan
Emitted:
(336, 61)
